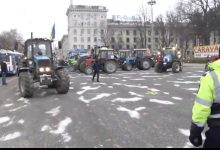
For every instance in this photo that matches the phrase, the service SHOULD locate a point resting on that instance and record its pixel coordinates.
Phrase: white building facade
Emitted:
(86, 26)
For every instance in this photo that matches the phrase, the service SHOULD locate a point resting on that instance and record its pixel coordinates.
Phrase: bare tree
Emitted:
(10, 40)
(143, 25)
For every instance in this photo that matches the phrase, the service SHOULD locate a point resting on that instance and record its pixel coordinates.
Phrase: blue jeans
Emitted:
(3, 78)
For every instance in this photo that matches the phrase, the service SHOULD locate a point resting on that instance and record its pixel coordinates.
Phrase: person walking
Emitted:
(96, 68)
(4, 70)
(206, 109)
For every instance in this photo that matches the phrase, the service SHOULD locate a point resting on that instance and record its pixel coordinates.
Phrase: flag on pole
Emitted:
(53, 33)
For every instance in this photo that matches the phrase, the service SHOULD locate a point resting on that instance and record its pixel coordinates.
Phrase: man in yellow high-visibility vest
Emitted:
(206, 109)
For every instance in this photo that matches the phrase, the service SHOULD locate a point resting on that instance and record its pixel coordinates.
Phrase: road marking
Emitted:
(10, 136)
(161, 102)
(54, 112)
(177, 98)
(132, 113)
(87, 88)
(4, 119)
(135, 94)
(124, 100)
(100, 96)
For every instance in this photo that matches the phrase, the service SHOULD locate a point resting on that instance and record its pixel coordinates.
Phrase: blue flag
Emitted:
(53, 33)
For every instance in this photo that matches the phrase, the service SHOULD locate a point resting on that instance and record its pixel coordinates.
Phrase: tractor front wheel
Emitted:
(63, 82)
(26, 84)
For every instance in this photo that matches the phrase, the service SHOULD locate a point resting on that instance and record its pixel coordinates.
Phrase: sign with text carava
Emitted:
(205, 51)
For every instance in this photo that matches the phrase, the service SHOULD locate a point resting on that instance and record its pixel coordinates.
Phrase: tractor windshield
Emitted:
(107, 54)
(39, 49)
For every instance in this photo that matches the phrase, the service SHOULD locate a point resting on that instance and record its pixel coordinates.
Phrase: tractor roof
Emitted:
(106, 49)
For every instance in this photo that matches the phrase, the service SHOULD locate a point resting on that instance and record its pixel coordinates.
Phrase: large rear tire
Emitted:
(82, 67)
(127, 67)
(145, 65)
(63, 82)
(88, 70)
(26, 84)
(110, 67)
(158, 67)
(176, 67)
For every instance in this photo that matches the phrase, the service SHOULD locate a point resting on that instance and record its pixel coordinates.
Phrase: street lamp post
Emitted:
(152, 3)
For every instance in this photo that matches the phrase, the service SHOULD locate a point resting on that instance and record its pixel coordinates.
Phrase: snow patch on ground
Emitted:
(21, 121)
(100, 96)
(132, 113)
(10, 136)
(71, 88)
(83, 83)
(150, 77)
(111, 87)
(16, 109)
(8, 105)
(24, 100)
(176, 85)
(87, 88)
(124, 100)
(54, 112)
(192, 89)
(60, 130)
(137, 79)
(153, 90)
(166, 93)
(157, 84)
(135, 94)
(177, 98)
(161, 102)
(132, 86)
(184, 82)
(4, 119)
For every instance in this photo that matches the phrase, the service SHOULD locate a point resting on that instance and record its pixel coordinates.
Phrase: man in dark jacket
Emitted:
(96, 68)
(4, 70)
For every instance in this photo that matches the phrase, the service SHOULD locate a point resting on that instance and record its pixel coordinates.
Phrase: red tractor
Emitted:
(107, 59)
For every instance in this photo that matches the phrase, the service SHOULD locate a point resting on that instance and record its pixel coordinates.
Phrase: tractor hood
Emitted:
(39, 58)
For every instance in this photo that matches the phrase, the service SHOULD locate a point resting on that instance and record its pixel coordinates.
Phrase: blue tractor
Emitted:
(137, 58)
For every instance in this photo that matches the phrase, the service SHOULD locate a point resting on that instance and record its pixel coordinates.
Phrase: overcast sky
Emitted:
(38, 16)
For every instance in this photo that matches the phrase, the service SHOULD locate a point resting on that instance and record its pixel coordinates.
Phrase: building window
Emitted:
(113, 46)
(156, 32)
(120, 33)
(95, 39)
(149, 33)
(89, 39)
(149, 40)
(95, 31)
(120, 46)
(113, 39)
(75, 32)
(156, 40)
(82, 31)
(75, 46)
(82, 39)
(103, 39)
(128, 40)
(102, 32)
(149, 46)
(128, 46)
(89, 46)
(88, 31)
(120, 39)
(75, 39)
(127, 32)
(82, 46)
(135, 40)
(135, 32)
(135, 46)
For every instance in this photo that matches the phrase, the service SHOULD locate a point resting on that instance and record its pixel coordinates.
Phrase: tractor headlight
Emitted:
(47, 69)
(41, 69)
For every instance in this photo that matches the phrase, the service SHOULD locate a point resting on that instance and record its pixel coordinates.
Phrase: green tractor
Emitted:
(38, 66)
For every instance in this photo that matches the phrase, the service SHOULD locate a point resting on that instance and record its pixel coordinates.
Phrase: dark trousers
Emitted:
(212, 138)
(96, 73)
(3, 78)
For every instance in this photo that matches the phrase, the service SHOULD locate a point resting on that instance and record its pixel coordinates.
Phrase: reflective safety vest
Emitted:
(207, 104)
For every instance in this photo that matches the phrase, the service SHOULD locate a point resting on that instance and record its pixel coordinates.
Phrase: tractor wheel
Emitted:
(26, 84)
(88, 70)
(127, 67)
(82, 66)
(145, 65)
(158, 67)
(176, 67)
(63, 82)
(110, 67)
